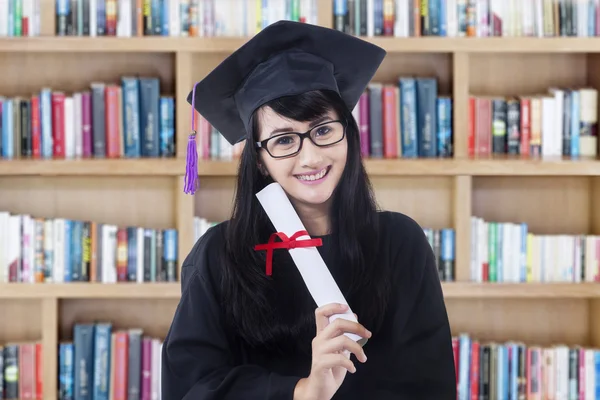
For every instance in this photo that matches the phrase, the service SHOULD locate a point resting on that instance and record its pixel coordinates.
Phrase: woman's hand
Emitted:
(331, 351)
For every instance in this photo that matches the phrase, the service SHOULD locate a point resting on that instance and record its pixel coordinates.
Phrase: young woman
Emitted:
(240, 333)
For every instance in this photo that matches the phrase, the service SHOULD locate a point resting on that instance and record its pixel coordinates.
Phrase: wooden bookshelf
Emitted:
(551, 195)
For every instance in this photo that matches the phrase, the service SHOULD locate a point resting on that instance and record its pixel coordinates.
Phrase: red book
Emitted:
(113, 141)
(27, 371)
(36, 129)
(58, 124)
(471, 127)
(474, 379)
(483, 127)
(39, 376)
(121, 365)
(390, 113)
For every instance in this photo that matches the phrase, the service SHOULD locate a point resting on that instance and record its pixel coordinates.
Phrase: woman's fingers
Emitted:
(340, 344)
(328, 361)
(341, 326)
(323, 313)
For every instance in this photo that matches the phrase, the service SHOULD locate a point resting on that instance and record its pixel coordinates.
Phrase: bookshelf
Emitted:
(552, 195)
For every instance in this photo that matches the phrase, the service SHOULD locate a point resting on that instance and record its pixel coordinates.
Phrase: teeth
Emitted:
(313, 177)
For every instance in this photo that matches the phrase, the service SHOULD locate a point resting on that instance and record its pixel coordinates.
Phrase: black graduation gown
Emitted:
(409, 358)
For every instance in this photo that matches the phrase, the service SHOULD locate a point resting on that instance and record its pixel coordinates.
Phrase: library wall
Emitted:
(509, 192)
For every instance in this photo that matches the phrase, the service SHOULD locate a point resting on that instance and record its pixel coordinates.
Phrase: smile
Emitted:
(314, 177)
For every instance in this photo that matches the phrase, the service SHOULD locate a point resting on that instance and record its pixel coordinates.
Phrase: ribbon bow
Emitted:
(286, 243)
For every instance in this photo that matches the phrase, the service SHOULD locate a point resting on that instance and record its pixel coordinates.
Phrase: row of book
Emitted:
(102, 362)
(510, 252)
(208, 18)
(560, 122)
(108, 120)
(21, 370)
(488, 369)
(59, 250)
(408, 119)
(443, 244)
(467, 18)
(20, 18)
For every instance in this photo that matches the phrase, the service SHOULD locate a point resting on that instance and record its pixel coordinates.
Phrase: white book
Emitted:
(140, 256)
(370, 18)
(26, 249)
(451, 17)
(174, 18)
(4, 18)
(58, 272)
(548, 128)
(93, 18)
(14, 248)
(69, 128)
(77, 126)
(4, 215)
(49, 249)
(156, 369)
(558, 133)
(590, 374)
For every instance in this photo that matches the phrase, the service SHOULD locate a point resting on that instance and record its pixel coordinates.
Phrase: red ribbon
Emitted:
(286, 243)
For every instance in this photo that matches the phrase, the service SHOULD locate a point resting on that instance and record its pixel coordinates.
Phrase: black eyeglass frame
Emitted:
(263, 143)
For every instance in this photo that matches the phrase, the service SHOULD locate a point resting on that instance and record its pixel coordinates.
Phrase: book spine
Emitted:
(111, 121)
(131, 118)
(499, 126)
(149, 116)
(86, 124)
(36, 132)
(167, 126)
(170, 254)
(513, 122)
(427, 116)
(58, 124)
(102, 351)
(134, 370)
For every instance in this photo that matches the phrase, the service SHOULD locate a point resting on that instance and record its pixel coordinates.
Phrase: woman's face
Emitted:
(310, 176)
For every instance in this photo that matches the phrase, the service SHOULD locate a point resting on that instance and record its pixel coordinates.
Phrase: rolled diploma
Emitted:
(308, 260)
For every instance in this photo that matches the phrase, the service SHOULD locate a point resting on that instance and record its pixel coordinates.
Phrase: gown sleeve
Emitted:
(414, 359)
(196, 357)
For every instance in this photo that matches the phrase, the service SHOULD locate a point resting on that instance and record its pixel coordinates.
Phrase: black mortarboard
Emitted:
(285, 58)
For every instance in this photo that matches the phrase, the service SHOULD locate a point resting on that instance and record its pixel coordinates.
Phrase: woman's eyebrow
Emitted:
(313, 123)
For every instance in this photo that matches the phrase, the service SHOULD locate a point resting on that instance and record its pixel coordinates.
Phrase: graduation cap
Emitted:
(286, 58)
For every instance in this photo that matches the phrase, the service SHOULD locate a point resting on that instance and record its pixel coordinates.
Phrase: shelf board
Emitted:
(153, 44)
(466, 290)
(168, 290)
(499, 166)
(85, 290)
(488, 44)
(87, 167)
(229, 44)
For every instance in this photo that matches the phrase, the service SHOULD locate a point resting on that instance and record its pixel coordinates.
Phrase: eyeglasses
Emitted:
(290, 143)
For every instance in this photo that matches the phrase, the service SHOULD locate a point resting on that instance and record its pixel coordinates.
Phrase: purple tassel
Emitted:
(191, 166)
(191, 162)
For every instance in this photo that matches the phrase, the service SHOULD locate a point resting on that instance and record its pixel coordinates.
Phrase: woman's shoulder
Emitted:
(203, 260)
(405, 242)
(399, 226)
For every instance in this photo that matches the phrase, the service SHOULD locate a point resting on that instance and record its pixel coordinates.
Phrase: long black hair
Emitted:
(251, 307)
